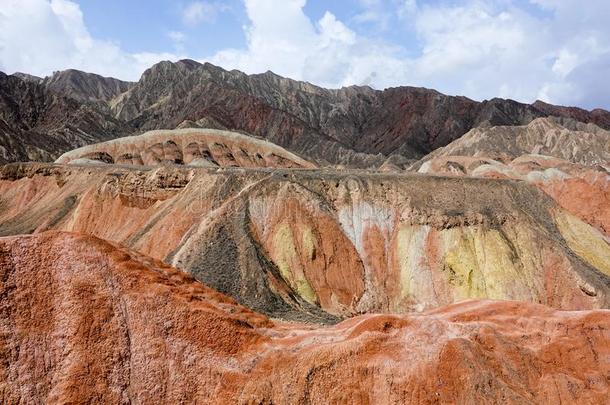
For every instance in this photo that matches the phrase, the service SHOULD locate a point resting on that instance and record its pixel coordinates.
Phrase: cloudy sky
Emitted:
(554, 50)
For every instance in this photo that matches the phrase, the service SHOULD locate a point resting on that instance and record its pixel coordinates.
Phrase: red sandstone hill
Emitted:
(322, 245)
(342, 285)
(87, 321)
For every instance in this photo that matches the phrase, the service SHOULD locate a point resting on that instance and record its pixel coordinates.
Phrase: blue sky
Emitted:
(144, 26)
(114, 20)
(554, 50)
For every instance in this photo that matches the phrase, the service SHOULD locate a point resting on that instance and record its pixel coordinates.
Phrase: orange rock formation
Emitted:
(315, 245)
(189, 146)
(584, 191)
(84, 320)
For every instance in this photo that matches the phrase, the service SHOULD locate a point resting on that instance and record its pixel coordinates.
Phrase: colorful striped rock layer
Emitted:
(325, 245)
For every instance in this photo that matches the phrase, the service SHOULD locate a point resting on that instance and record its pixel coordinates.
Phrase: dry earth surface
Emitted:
(87, 321)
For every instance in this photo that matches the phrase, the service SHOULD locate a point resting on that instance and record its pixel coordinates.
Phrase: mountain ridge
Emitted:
(355, 126)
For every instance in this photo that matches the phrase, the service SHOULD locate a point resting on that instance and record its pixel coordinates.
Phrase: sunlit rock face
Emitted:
(284, 244)
(354, 126)
(85, 320)
(189, 146)
(572, 141)
(568, 160)
(583, 191)
(325, 245)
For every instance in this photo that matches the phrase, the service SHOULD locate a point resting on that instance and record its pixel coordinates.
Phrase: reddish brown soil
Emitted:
(85, 321)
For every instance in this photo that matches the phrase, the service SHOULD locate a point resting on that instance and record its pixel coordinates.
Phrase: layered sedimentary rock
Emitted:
(84, 320)
(597, 116)
(322, 245)
(189, 146)
(39, 122)
(354, 126)
(568, 160)
(84, 86)
(326, 125)
(585, 144)
(583, 191)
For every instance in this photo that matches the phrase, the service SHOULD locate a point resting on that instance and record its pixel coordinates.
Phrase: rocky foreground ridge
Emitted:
(354, 126)
(84, 320)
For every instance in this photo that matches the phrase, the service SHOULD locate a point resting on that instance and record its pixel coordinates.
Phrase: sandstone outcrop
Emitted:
(321, 245)
(568, 160)
(269, 241)
(585, 144)
(583, 191)
(84, 320)
(189, 146)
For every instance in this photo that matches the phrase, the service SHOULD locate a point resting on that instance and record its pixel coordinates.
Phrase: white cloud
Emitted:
(580, 50)
(374, 12)
(481, 50)
(176, 36)
(40, 36)
(407, 8)
(200, 11)
(282, 38)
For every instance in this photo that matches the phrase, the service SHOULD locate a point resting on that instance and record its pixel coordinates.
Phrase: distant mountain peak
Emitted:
(27, 77)
(355, 126)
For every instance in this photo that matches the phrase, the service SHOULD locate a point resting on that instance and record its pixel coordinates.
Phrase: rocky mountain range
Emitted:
(40, 119)
(353, 126)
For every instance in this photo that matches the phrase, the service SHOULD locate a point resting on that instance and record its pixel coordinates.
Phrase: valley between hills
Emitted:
(207, 236)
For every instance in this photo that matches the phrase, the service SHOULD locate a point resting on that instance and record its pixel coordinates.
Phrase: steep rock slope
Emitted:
(37, 123)
(190, 146)
(87, 321)
(299, 116)
(84, 86)
(170, 93)
(353, 126)
(27, 77)
(404, 121)
(582, 190)
(567, 159)
(322, 244)
(598, 116)
(585, 144)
